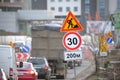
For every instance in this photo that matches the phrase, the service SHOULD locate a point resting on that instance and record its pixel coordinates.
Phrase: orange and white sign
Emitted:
(22, 56)
(71, 23)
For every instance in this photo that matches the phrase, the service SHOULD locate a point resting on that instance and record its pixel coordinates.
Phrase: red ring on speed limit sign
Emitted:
(72, 40)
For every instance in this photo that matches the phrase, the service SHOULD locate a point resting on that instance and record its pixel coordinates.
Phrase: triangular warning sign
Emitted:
(71, 23)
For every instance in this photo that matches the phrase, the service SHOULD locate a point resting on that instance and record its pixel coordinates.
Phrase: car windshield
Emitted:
(25, 66)
(37, 61)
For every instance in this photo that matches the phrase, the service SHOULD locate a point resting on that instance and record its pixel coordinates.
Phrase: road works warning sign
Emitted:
(71, 23)
(103, 47)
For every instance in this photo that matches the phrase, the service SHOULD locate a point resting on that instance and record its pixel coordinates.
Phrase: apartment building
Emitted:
(60, 8)
(10, 5)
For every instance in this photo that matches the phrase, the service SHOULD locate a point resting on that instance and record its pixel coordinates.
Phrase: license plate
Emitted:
(20, 73)
(53, 77)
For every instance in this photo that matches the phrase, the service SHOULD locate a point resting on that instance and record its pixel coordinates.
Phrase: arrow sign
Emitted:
(25, 49)
(109, 40)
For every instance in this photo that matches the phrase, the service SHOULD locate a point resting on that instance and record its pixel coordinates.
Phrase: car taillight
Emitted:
(46, 68)
(1, 79)
(11, 72)
(31, 72)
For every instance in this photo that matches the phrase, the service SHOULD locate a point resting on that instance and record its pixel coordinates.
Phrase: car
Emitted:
(42, 67)
(3, 75)
(78, 62)
(71, 64)
(26, 71)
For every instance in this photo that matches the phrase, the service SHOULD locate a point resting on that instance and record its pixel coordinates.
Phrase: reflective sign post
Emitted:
(74, 70)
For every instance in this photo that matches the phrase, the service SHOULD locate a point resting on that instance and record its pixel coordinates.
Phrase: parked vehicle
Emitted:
(42, 67)
(72, 64)
(26, 71)
(8, 61)
(47, 42)
(78, 62)
(3, 75)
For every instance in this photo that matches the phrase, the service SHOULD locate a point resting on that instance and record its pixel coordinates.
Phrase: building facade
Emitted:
(60, 8)
(88, 7)
(39, 4)
(10, 5)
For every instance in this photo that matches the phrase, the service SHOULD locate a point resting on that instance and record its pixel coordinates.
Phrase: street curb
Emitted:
(86, 72)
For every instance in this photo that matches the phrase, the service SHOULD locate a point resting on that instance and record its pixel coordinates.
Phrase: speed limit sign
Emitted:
(72, 40)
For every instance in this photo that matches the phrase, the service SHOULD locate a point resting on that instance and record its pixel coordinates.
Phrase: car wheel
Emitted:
(78, 64)
(10, 78)
(71, 67)
(47, 78)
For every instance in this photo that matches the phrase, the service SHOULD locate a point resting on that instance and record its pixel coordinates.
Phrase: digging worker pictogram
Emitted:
(70, 23)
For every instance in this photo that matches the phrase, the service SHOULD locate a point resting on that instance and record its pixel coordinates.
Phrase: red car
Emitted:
(26, 71)
(2, 75)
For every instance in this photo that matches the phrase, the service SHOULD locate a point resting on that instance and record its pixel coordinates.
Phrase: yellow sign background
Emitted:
(103, 47)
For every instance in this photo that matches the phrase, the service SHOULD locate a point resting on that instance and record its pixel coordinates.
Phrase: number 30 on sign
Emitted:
(72, 40)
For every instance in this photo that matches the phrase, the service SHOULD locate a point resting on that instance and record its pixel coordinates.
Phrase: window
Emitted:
(67, 9)
(87, 9)
(118, 6)
(102, 3)
(6, 0)
(18, 1)
(52, 8)
(75, 0)
(52, 0)
(102, 13)
(59, 0)
(75, 9)
(87, 1)
(67, 0)
(60, 9)
(86, 17)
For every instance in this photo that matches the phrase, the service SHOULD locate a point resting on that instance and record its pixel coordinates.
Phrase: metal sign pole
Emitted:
(74, 70)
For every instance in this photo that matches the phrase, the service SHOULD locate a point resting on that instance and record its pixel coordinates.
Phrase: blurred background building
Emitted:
(19, 15)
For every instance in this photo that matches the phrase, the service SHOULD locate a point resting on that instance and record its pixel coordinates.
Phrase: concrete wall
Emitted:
(8, 21)
(34, 15)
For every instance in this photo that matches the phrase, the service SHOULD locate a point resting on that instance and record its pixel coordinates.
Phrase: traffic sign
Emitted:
(72, 40)
(25, 49)
(109, 40)
(103, 47)
(72, 55)
(20, 57)
(102, 38)
(109, 34)
(70, 23)
(103, 54)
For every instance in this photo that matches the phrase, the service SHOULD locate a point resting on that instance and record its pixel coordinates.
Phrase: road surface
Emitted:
(79, 73)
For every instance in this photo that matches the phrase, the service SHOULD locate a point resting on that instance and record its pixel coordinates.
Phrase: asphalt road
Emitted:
(79, 73)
